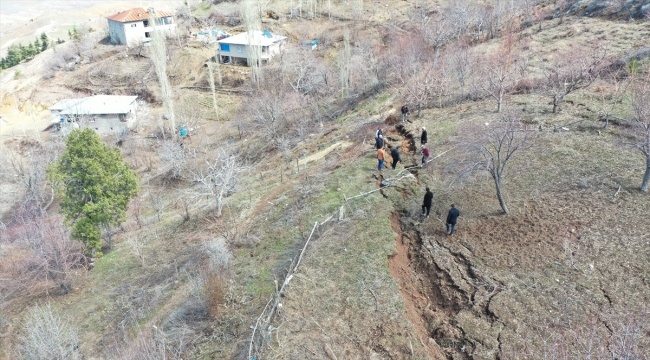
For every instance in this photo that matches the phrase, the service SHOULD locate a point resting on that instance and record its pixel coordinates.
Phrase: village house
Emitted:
(107, 114)
(134, 26)
(237, 48)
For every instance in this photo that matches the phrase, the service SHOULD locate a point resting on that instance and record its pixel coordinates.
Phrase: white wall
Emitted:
(132, 33)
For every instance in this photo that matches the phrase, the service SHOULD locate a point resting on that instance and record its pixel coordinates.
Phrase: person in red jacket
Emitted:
(425, 155)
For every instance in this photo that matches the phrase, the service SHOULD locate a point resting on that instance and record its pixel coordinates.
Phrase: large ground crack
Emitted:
(447, 297)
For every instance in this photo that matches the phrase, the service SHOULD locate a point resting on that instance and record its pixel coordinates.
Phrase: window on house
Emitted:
(225, 47)
(240, 48)
(134, 25)
(122, 117)
(146, 23)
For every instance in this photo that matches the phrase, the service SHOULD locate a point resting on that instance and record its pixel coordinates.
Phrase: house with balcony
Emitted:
(134, 26)
(236, 49)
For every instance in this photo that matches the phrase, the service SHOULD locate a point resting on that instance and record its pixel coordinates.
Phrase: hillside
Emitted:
(311, 252)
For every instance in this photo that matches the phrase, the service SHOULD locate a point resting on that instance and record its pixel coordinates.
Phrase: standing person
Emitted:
(423, 137)
(425, 155)
(452, 217)
(405, 111)
(395, 155)
(426, 204)
(379, 132)
(381, 155)
(379, 142)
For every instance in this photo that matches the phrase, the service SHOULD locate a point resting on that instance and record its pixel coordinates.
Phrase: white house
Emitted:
(133, 26)
(107, 114)
(236, 48)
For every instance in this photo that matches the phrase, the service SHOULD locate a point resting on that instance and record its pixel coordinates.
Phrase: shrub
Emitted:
(47, 336)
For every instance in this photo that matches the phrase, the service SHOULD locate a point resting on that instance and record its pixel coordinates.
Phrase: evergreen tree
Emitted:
(96, 185)
(37, 46)
(44, 41)
(24, 52)
(14, 56)
(30, 51)
(73, 33)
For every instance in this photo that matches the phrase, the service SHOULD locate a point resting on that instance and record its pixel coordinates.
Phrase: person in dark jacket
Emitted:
(395, 155)
(379, 142)
(452, 217)
(405, 111)
(426, 204)
(423, 137)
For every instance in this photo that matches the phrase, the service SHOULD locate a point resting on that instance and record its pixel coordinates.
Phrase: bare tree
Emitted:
(303, 71)
(413, 71)
(159, 57)
(641, 123)
(277, 111)
(41, 254)
(157, 200)
(213, 87)
(137, 243)
(176, 156)
(612, 99)
(499, 76)
(218, 177)
(573, 71)
(46, 336)
(432, 26)
(250, 12)
(345, 55)
(495, 147)
(142, 115)
(29, 170)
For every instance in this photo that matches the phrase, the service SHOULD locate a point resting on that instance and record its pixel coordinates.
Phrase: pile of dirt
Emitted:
(391, 120)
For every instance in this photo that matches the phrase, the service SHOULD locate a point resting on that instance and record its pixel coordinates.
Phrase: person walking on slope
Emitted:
(425, 155)
(426, 204)
(423, 137)
(452, 217)
(381, 155)
(379, 131)
(405, 111)
(395, 155)
(379, 142)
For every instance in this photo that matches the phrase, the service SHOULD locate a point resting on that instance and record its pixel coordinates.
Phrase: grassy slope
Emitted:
(343, 300)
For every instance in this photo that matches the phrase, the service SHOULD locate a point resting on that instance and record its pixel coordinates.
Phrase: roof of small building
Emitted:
(95, 105)
(136, 14)
(261, 38)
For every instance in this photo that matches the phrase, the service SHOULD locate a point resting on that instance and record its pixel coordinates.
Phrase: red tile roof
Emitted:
(135, 14)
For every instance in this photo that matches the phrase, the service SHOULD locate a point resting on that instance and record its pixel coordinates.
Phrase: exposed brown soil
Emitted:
(525, 241)
(438, 283)
(402, 137)
(463, 292)
(399, 266)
